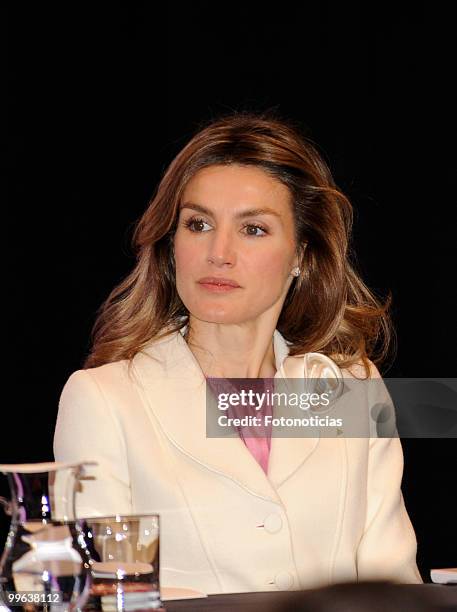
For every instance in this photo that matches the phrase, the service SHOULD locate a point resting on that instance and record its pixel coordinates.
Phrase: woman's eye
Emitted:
(255, 228)
(195, 225)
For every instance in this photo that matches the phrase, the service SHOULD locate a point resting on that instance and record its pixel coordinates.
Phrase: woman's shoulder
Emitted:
(95, 382)
(124, 371)
(112, 371)
(113, 388)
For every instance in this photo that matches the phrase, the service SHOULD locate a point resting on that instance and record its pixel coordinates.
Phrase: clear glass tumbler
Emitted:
(125, 563)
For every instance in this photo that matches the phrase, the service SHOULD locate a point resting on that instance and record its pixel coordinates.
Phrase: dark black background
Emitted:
(103, 95)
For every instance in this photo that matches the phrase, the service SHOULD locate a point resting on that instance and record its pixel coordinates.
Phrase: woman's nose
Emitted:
(221, 250)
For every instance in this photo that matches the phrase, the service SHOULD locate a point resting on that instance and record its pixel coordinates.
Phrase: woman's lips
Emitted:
(218, 285)
(218, 288)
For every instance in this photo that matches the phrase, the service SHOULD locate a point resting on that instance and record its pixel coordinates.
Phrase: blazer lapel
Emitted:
(287, 454)
(174, 389)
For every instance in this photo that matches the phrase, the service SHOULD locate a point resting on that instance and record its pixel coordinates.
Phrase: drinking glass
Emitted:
(125, 562)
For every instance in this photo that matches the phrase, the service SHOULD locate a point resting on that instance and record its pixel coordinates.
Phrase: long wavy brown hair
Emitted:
(328, 308)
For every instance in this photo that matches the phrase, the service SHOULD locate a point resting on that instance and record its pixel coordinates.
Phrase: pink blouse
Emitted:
(256, 438)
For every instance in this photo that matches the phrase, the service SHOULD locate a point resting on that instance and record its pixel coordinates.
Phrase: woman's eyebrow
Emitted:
(251, 212)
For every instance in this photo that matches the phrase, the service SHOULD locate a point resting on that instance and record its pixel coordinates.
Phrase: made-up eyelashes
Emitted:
(190, 222)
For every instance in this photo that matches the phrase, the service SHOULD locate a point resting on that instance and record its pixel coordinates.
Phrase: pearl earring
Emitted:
(296, 271)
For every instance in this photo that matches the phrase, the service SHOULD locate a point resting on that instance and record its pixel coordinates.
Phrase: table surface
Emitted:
(446, 595)
(241, 602)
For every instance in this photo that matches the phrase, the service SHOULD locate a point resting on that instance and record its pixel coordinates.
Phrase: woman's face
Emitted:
(235, 223)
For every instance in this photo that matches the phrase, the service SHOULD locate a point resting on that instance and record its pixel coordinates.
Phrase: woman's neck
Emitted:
(232, 351)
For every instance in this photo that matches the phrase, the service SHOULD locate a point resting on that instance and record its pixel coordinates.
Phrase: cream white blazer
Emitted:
(330, 509)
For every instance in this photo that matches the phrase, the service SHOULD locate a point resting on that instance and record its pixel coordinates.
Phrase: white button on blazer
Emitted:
(330, 509)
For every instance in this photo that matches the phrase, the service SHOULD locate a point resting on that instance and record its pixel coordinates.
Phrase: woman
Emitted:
(242, 272)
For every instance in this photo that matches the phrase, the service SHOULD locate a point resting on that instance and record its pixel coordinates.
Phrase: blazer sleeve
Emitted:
(87, 429)
(388, 545)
